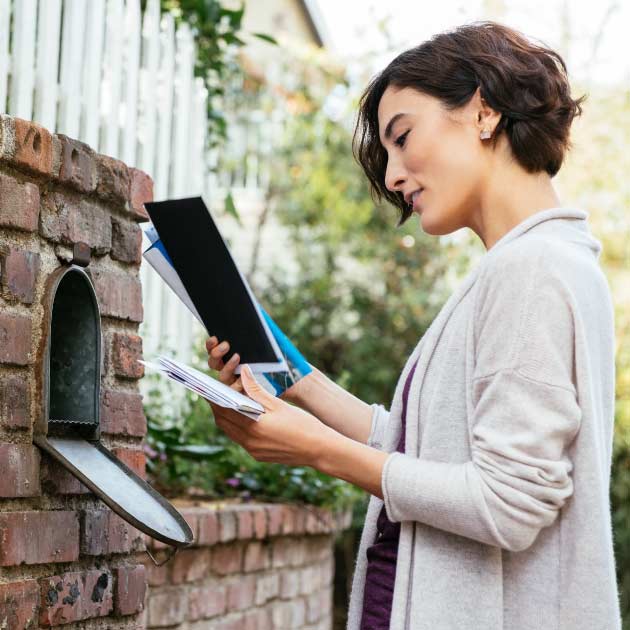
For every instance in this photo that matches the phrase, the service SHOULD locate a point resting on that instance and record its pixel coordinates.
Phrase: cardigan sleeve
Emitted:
(380, 418)
(518, 476)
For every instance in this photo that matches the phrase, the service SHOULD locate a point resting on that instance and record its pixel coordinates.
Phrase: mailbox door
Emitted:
(68, 428)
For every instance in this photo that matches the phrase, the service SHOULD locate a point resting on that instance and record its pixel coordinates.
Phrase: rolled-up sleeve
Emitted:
(519, 474)
(380, 418)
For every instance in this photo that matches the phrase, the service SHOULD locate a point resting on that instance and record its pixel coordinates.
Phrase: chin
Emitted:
(436, 223)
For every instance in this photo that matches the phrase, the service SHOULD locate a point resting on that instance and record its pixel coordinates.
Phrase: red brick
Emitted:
(55, 479)
(281, 553)
(75, 596)
(245, 523)
(122, 414)
(227, 559)
(259, 619)
(260, 522)
(119, 296)
(289, 583)
(38, 537)
(15, 339)
(256, 557)
(275, 519)
(69, 220)
(267, 587)
(33, 147)
(131, 588)
(104, 532)
(208, 528)
(190, 565)
(133, 458)
(227, 525)
(20, 470)
(19, 602)
(19, 274)
(15, 412)
(299, 519)
(290, 614)
(207, 601)
(241, 594)
(112, 179)
(156, 575)
(140, 192)
(126, 241)
(19, 204)
(126, 351)
(167, 607)
(78, 165)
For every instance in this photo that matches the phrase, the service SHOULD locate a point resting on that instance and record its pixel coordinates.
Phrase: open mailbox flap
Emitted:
(120, 488)
(68, 427)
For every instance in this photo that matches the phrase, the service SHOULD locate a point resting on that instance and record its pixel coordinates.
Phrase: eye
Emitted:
(400, 141)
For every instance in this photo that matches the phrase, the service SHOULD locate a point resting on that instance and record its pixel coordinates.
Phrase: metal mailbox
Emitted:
(68, 425)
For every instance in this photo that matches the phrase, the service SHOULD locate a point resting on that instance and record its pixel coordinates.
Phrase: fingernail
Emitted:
(223, 346)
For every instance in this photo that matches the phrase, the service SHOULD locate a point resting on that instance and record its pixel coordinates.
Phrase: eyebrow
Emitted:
(391, 123)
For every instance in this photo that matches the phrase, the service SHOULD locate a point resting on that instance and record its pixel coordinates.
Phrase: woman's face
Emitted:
(439, 151)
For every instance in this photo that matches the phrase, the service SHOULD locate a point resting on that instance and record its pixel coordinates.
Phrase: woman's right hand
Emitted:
(216, 351)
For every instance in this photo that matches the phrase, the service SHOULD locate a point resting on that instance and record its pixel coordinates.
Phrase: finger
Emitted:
(227, 373)
(211, 342)
(254, 390)
(220, 350)
(238, 385)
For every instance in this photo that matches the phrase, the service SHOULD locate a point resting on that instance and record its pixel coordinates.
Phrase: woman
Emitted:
(490, 472)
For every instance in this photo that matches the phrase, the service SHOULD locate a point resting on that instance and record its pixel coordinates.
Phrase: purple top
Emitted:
(382, 555)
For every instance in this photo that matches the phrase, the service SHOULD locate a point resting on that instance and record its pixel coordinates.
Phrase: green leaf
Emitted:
(230, 208)
(267, 38)
(197, 451)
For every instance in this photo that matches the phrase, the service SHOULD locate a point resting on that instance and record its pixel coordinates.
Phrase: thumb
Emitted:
(255, 390)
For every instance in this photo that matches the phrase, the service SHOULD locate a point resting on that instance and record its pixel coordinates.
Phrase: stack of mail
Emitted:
(211, 389)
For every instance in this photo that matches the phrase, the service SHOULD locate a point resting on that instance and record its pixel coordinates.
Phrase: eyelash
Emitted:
(400, 141)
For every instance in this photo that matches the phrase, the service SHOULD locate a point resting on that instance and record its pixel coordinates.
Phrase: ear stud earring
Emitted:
(485, 134)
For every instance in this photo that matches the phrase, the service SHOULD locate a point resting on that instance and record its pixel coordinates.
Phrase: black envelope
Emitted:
(213, 281)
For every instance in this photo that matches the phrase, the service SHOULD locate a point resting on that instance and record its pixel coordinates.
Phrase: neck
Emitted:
(509, 199)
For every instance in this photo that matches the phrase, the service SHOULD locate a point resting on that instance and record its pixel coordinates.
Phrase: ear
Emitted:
(486, 118)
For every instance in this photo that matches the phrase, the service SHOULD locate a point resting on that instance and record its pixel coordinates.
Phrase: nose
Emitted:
(395, 175)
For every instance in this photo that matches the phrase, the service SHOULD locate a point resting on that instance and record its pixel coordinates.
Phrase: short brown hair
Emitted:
(525, 82)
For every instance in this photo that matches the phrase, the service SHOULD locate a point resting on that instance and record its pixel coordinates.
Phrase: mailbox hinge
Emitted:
(81, 254)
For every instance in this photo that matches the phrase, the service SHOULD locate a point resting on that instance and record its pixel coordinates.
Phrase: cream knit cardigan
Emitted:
(503, 491)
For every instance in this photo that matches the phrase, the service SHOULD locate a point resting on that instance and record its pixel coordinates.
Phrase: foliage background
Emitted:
(366, 292)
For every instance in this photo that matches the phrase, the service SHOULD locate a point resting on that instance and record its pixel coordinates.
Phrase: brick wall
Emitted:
(64, 556)
(253, 567)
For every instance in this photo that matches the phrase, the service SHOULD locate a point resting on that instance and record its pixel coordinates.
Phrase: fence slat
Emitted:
(5, 59)
(164, 98)
(148, 87)
(23, 64)
(110, 95)
(47, 68)
(93, 73)
(131, 69)
(184, 60)
(72, 40)
(197, 141)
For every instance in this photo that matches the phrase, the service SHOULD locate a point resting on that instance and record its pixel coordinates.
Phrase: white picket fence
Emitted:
(122, 81)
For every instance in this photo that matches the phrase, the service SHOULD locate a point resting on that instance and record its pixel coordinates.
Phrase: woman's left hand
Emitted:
(283, 434)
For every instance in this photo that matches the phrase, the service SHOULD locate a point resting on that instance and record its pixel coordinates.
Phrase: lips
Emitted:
(414, 197)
